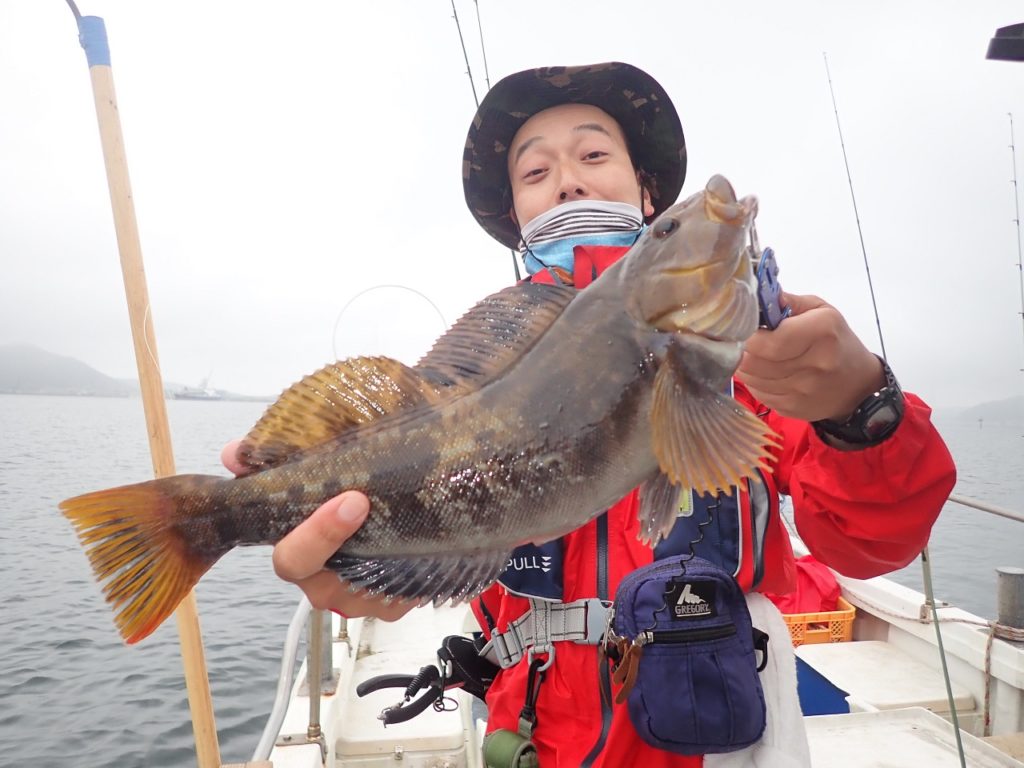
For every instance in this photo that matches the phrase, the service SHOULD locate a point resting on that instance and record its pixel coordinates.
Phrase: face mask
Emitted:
(549, 238)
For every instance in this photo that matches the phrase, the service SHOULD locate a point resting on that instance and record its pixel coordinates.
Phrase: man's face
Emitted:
(571, 152)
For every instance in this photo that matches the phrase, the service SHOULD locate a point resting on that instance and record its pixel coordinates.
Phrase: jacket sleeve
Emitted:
(863, 512)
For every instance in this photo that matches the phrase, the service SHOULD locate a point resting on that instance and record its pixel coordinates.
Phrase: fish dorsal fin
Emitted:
(337, 398)
(494, 334)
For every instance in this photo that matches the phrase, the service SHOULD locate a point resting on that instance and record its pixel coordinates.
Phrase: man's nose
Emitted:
(570, 187)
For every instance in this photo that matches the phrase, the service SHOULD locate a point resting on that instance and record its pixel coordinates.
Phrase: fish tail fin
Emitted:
(136, 543)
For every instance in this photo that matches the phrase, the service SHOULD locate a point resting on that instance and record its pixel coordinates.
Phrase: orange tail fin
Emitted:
(135, 543)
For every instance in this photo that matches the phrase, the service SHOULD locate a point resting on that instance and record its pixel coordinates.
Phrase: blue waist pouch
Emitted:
(686, 657)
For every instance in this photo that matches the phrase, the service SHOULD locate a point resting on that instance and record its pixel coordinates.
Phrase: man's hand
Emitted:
(301, 555)
(812, 366)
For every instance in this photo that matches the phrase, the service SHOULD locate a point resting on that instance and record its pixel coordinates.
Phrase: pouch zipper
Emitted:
(680, 636)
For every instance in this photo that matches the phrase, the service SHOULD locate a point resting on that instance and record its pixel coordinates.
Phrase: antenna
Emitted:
(1016, 220)
(856, 215)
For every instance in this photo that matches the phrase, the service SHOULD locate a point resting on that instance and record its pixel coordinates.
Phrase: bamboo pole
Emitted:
(93, 36)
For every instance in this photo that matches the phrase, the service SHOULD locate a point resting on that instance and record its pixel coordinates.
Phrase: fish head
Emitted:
(690, 271)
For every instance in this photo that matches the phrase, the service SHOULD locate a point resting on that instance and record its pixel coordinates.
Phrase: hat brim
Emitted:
(629, 95)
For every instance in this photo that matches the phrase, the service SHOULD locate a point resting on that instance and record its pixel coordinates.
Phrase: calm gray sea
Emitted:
(72, 693)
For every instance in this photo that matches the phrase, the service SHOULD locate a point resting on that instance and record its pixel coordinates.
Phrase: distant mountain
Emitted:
(1011, 409)
(27, 370)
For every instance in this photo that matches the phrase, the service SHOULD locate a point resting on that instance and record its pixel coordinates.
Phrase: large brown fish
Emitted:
(539, 409)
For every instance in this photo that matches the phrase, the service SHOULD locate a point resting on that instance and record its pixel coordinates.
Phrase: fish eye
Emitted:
(665, 227)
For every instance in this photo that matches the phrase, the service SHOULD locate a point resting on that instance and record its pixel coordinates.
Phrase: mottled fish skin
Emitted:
(552, 443)
(535, 413)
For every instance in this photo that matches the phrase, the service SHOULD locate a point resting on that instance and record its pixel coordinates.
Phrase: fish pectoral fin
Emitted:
(338, 398)
(494, 334)
(436, 578)
(659, 508)
(703, 439)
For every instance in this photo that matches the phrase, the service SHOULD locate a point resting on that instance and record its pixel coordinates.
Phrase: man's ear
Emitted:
(648, 206)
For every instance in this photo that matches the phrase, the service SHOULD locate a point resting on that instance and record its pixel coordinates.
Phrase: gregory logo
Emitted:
(530, 563)
(690, 601)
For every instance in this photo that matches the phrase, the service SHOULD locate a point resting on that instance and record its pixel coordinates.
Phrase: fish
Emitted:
(536, 411)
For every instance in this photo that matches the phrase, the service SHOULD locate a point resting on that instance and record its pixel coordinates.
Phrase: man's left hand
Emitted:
(812, 366)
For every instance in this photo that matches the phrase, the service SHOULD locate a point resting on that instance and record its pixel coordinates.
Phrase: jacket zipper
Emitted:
(682, 636)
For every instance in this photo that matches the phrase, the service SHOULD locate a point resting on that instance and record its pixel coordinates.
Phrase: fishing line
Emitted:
(925, 557)
(364, 292)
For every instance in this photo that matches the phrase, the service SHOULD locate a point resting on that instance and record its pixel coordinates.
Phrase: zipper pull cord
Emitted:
(625, 673)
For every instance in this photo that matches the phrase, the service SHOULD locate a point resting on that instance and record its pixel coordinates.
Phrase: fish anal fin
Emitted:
(440, 578)
(704, 439)
(494, 334)
(339, 397)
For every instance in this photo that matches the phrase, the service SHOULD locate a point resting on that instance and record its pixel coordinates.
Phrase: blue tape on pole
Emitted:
(92, 34)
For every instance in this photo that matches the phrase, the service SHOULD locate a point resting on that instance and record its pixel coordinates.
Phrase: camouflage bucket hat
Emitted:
(631, 96)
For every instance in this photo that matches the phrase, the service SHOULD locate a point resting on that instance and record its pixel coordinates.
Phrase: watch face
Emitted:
(878, 422)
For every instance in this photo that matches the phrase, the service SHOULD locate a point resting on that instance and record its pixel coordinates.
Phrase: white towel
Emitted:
(784, 743)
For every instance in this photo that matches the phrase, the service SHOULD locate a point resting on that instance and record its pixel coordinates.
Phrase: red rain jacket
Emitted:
(863, 513)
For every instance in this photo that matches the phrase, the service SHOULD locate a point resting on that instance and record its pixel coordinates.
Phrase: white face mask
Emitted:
(581, 217)
(549, 238)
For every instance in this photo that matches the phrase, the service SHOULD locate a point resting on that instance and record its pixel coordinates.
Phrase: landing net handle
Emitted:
(93, 37)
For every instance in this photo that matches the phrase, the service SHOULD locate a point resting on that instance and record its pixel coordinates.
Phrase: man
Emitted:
(567, 164)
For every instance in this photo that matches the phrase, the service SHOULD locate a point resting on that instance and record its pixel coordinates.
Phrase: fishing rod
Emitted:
(472, 84)
(92, 35)
(483, 48)
(925, 556)
(1016, 220)
(856, 214)
(465, 56)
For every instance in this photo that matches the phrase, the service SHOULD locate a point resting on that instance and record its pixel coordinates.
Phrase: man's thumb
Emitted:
(351, 509)
(799, 304)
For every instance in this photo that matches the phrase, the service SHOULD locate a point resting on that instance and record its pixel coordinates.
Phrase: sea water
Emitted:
(71, 692)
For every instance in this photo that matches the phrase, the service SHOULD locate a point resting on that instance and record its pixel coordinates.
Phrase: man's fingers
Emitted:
(800, 304)
(304, 551)
(229, 458)
(326, 592)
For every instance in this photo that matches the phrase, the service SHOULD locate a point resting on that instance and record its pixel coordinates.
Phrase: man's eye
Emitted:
(596, 154)
(533, 172)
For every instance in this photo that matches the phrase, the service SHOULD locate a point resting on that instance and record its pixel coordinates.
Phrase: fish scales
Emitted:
(534, 413)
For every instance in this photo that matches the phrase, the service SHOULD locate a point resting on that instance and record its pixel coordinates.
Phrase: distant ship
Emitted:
(203, 392)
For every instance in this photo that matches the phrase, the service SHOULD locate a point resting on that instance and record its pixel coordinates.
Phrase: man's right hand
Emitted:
(300, 556)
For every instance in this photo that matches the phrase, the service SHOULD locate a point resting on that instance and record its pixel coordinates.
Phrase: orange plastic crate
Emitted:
(825, 627)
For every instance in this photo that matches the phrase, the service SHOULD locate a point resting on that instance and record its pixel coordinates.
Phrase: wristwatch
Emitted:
(873, 420)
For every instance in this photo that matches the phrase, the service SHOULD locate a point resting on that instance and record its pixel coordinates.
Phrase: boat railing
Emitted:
(320, 667)
(320, 679)
(986, 507)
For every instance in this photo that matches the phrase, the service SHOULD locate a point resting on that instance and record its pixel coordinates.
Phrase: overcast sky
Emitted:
(287, 157)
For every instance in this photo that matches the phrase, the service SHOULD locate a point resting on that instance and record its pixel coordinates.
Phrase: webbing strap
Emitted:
(582, 622)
